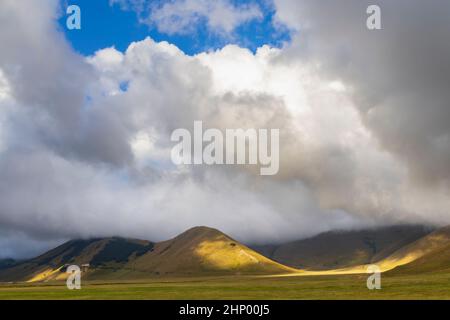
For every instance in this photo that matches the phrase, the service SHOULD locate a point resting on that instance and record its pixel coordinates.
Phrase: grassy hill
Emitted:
(198, 251)
(342, 249)
(428, 254)
(108, 253)
(203, 250)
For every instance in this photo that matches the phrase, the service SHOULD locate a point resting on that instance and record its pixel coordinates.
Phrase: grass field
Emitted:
(293, 287)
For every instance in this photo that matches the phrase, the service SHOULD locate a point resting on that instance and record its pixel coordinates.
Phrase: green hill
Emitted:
(428, 254)
(203, 250)
(107, 253)
(198, 251)
(343, 249)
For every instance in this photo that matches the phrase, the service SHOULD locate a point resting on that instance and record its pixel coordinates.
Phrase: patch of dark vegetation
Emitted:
(165, 249)
(145, 249)
(371, 243)
(77, 247)
(119, 250)
(7, 263)
(69, 250)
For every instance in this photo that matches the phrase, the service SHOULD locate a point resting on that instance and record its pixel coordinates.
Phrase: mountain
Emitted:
(343, 249)
(106, 253)
(198, 251)
(430, 253)
(203, 250)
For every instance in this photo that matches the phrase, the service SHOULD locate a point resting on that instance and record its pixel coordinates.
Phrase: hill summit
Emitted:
(198, 251)
(203, 250)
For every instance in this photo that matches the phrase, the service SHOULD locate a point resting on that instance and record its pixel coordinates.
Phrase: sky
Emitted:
(86, 117)
(117, 23)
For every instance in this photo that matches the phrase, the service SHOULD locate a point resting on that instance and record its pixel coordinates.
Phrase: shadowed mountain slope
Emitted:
(428, 254)
(7, 263)
(110, 253)
(342, 249)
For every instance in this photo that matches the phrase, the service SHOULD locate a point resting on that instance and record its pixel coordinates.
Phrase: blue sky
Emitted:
(105, 25)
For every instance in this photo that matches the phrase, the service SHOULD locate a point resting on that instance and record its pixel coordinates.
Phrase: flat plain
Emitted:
(424, 286)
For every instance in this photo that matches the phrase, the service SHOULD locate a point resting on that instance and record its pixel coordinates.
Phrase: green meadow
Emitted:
(429, 286)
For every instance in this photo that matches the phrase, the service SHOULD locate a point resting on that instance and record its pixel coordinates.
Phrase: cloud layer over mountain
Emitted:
(364, 118)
